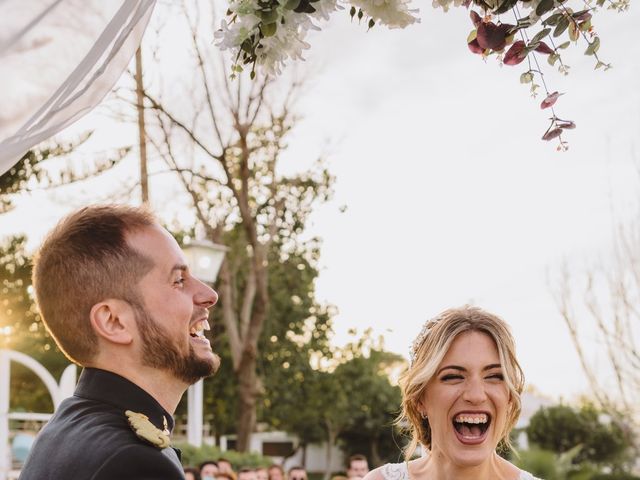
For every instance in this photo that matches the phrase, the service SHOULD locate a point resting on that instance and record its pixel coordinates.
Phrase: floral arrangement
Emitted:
(266, 34)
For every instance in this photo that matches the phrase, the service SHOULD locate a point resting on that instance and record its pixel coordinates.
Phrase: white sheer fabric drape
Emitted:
(58, 59)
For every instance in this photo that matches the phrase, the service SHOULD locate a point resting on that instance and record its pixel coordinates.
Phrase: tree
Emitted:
(33, 170)
(608, 303)
(374, 404)
(349, 394)
(22, 329)
(237, 134)
(296, 328)
(561, 428)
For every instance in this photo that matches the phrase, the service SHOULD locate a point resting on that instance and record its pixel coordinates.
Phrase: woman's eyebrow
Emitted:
(462, 369)
(492, 366)
(452, 367)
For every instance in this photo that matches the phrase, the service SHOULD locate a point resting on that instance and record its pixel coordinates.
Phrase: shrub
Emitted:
(192, 456)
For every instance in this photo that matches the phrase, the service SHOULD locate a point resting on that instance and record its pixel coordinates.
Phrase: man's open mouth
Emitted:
(471, 428)
(197, 329)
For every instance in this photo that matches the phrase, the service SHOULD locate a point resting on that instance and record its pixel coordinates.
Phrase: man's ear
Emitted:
(113, 320)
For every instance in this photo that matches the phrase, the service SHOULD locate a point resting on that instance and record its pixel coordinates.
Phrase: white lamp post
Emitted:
(204, 259)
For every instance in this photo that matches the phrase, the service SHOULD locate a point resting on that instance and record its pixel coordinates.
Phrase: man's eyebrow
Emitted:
(462, 369)
(180, 267)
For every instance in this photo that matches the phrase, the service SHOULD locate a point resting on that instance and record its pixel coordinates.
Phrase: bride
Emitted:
(461, 398)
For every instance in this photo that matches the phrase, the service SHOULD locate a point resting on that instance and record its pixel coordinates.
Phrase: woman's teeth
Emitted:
(472, 418)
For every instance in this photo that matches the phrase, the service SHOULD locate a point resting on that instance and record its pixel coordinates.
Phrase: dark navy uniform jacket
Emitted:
(89, 438)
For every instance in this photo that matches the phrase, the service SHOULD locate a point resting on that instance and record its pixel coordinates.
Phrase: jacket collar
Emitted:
(111, 388)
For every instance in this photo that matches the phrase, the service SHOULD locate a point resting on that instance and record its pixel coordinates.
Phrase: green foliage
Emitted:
(22, 329)
(344, 396)
(614, 476)
(552, 466)
(541, 463)
(373, 404)
(296, 328)
(31, 172)
(193, 456)
(560, 428)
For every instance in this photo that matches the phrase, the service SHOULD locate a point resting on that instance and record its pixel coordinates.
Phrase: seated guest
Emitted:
(191, 473)
(262, 473)
(297, 473)
(224, 466)
(275, 472)
(247, 473)
(208, 470)
(358, 466)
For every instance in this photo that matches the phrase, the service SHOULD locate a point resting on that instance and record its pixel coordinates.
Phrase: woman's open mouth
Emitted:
(471, 428)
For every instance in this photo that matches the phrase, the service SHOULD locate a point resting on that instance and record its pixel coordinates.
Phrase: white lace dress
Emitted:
(398, 471)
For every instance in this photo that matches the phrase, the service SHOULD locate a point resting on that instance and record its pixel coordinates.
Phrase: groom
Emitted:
(115, 292)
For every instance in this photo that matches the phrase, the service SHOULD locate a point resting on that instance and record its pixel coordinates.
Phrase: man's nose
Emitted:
(206, 296)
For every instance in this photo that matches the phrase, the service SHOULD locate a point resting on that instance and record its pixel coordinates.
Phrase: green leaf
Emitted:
(292, 4)
(269, 16)
(562, 25)
(543, 7)
(352, 12)
(564, 45)
(505, 6)
(553, 58)
(304, 7)
(372, 23)
(574, 32)
(269, 29)
(580, 13)
(593, 47)
(247, 46)
(526, 77)
(540, 35)
(553, 19)
(525, 21)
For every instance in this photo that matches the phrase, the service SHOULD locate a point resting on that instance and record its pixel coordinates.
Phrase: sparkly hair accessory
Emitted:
(426, 328)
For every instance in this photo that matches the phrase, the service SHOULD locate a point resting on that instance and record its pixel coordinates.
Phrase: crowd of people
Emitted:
(222, 469)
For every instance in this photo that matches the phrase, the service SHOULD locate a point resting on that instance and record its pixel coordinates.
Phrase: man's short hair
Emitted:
(297, 467)
(227, 475)
(207, 462)
(83, 261)
(355, 458)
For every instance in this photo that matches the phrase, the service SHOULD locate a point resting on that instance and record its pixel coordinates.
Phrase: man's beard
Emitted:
(159, 351)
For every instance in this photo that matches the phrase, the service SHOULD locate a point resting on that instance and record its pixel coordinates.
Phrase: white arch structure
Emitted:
(62, 390)
(58, 392)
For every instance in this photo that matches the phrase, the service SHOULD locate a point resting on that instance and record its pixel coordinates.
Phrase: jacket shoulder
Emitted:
(140, 461)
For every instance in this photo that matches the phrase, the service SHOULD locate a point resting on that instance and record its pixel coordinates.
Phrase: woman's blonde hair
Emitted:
(428, 351)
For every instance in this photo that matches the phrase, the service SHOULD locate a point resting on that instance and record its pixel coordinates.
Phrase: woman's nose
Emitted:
(474, 392)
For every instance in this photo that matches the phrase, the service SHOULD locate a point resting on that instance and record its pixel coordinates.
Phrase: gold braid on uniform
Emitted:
(147, 431)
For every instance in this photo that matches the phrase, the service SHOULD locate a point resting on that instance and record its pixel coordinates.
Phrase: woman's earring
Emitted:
(423, 415)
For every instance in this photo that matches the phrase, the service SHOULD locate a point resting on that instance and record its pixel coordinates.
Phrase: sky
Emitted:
(451, 197)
